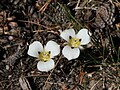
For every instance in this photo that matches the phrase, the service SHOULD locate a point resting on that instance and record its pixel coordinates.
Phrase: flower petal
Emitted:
(81, 48)
(45, 66)
(65, 34)
(84, 36)
(34, 48)
(53, 47)
(70, 53)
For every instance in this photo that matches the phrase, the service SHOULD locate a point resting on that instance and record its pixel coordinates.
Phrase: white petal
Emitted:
(84, 36)
(53, 47)
(34, 48)
(70, 53)
(45, 66)
(65, 34)
(81, 47)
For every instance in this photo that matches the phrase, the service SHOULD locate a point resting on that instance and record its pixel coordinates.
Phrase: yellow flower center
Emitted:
(44, 56)
(74, 42)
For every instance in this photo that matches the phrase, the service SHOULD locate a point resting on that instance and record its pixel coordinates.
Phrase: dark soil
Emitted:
(24, 21)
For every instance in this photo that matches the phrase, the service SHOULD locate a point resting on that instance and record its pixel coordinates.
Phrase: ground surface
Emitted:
(24, 21)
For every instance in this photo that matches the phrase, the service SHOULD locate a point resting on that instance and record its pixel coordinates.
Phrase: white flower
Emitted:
(44, 54)
(74, 42)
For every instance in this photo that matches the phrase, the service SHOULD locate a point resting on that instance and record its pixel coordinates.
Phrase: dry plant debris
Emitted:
(24, 21)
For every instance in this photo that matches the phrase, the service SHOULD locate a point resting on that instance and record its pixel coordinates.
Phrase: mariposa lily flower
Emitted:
(74, 42)
(44, 54)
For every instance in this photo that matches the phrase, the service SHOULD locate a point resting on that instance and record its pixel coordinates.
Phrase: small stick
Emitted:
(78, 3)
(45, 6)
(52, 72)
(95, 84)
(77, 8)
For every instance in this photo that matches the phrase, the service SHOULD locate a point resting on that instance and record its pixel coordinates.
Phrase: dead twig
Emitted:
(77, 8)
(45, 6)
(95, 84)
(51, 72)
(24, 83)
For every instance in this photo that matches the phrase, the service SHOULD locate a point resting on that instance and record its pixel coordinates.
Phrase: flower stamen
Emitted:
(74, 42)
(44, 56)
